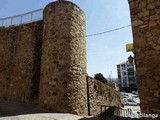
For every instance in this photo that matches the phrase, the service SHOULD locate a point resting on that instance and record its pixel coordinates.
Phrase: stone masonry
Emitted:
(44, 63)
(101, 94)
(19, 64)
(63, 66)
(145, 17)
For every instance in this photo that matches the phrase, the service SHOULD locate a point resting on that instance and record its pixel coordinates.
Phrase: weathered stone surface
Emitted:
(150, 6)
(142, 4)
(155, 17)
(101, 94)
(147, 51)
(19, 64)
(150, 1)
(132, 4)
(63, 63)
(137, 23)
(143, 14)
(157, 48)
(148, 34)
(152, 23)
(51, 52)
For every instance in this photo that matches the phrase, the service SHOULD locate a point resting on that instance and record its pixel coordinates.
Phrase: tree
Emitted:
(100, 77)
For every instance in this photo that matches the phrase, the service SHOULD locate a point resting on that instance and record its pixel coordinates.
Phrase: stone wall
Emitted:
(19, 63)
(145, 16)
(101, 94)
(45, 62)
(63, 68)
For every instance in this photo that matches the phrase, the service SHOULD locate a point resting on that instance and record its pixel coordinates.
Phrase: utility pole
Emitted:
(111, 77)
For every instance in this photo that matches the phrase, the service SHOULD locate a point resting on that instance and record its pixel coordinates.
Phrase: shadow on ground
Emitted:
(12, 108)
(91, 118)
(115, 118)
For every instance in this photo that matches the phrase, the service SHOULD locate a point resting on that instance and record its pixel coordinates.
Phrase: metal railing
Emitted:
(22, 19)
(116, 113)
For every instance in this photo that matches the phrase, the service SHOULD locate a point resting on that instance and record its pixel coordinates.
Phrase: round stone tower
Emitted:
(63, 63)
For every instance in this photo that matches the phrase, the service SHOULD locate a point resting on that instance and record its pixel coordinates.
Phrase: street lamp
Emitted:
(130, 59)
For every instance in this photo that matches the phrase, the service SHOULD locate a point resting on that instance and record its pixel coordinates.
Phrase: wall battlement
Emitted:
(44, 62)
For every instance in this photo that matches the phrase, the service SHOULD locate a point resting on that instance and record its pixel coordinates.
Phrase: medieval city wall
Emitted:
(19, 64)
(44, 63)
(101, 94)
(63, 64)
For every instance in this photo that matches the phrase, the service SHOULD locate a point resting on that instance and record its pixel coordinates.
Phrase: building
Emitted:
(127, 77)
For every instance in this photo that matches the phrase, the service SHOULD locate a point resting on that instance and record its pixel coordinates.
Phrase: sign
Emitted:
(129, 47)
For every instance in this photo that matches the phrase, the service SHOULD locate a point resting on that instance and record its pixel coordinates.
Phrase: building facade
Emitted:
(126, 77)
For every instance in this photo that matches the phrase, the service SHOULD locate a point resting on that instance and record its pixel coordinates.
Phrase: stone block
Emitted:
(132, 5)
(148, 34)
(137, 23)
(142, 71)
(151, 53)
(152, 23)
(157, 48)
(140, 55)
(143, 14)
(151, 38)
(157, 94)
(154, 17)
(150, 1)
(151, 6)
(142, 4)
(157, 3)
(152, 43)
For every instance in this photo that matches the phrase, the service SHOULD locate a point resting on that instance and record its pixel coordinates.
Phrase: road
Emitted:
(134, 109)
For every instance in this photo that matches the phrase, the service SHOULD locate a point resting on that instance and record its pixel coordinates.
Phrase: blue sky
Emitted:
(105, 51)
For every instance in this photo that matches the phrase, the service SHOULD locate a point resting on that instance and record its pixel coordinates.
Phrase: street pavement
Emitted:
(21, 111)
(134, 109)
(48, 116)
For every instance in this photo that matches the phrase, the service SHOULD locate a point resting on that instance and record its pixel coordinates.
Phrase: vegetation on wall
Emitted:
(100, 77)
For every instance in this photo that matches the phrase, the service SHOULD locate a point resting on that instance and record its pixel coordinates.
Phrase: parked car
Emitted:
(136, 99)
(124, 95)
(130, 102)
(135, 92)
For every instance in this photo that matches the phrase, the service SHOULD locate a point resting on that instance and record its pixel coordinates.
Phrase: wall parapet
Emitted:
(28, 17)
